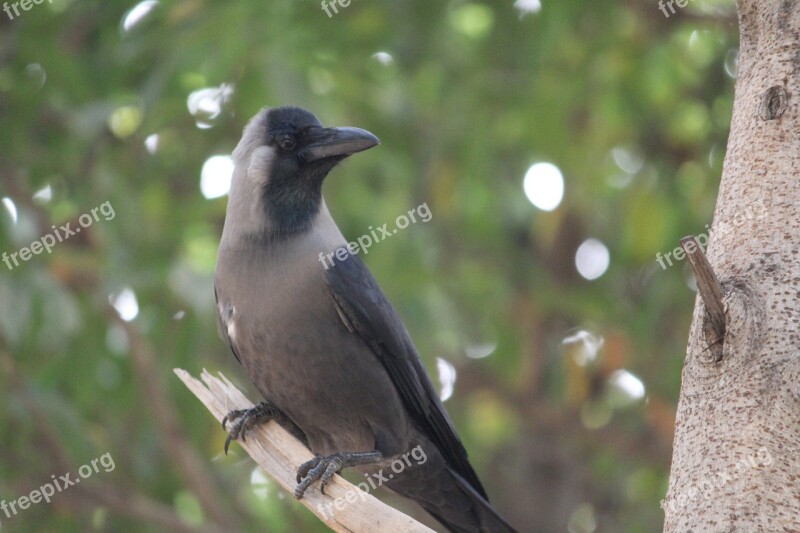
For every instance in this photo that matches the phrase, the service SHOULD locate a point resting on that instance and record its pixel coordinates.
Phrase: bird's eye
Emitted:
(286, 142)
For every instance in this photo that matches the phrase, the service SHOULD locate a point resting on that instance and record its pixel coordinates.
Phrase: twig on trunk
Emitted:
(710, 291)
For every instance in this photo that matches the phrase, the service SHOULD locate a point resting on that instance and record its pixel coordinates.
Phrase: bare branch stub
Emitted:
(711, 293)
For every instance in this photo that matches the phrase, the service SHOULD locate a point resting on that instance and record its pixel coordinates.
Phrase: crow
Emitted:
(322, 344)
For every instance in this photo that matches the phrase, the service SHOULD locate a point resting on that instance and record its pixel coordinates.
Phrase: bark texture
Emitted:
(736, 457)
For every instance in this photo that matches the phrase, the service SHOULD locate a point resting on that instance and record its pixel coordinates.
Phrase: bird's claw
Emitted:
(319, 469)
(246, 419)
(322, 469)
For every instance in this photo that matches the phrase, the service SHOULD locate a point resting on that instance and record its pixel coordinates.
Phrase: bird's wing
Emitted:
(366, 311)
(222, 327)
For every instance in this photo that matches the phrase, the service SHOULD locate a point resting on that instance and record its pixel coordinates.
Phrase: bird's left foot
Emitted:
(246, 419)
(322, 469)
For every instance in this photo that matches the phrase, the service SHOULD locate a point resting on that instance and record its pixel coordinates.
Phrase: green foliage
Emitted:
(631, 106)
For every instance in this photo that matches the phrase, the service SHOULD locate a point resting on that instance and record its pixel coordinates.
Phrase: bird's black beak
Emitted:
(337, 142)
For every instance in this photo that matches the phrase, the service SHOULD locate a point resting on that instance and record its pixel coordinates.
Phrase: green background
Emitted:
(632, 106)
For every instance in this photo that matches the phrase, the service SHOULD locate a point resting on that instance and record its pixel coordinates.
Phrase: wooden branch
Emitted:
(710, 291)
(344, 507)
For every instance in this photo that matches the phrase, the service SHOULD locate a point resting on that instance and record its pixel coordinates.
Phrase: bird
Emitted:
(328, 353)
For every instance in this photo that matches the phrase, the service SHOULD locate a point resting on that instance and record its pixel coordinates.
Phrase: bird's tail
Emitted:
(450, 499)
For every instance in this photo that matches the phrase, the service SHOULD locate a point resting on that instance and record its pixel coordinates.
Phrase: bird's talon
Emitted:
(245, 419)
(319, 469)
(233, 415)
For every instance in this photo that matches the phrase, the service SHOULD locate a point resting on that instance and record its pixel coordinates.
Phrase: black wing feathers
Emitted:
(371, 316)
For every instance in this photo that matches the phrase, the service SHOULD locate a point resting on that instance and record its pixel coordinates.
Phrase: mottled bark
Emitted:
(736, 458)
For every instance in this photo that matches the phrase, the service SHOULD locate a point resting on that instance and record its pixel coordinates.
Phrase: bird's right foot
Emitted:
(322, 469)
(246, 419)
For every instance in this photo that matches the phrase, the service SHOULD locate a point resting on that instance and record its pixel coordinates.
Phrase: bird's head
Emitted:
(280, 164)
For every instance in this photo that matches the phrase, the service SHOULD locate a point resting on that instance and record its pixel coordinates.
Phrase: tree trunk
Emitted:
(736, 457)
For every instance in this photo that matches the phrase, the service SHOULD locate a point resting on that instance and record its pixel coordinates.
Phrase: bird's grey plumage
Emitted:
(324, 346)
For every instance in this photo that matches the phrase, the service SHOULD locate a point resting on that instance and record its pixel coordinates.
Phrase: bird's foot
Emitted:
(246, 419)
(322, 469)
